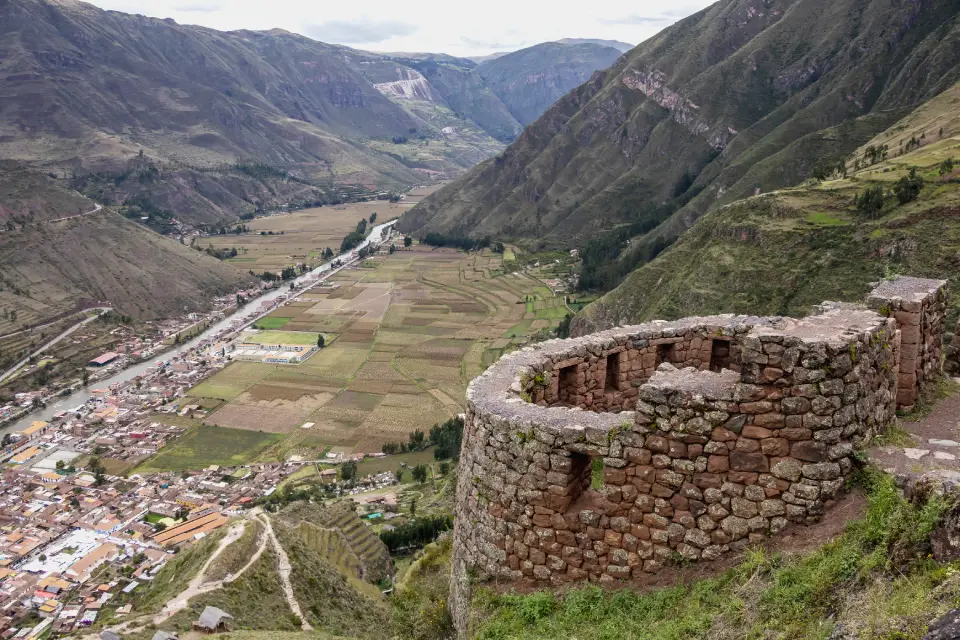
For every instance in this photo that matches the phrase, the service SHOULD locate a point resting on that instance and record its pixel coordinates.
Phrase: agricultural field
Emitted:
(283, 337)
(413, 328)
(270, 323)
(206, 445)
(283, 240)
(372, 466)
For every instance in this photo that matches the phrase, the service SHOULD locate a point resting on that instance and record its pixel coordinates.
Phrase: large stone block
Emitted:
(748, 461)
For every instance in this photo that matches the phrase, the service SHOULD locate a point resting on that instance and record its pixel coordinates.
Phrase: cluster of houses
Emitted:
(130, 346)
(80, 531)
(75, 542)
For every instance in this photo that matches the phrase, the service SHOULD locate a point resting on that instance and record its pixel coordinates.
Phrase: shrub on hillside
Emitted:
(419, 605)
(870, 202)
(908, 187)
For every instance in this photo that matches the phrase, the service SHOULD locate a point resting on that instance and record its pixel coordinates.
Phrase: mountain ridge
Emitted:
(87, 90)
(784, 251)
(695, 118)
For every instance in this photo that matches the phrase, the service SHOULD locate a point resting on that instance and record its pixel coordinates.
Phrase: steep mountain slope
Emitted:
(469, 96)
(449, 99)
(713, 108)
(530, 80)
(781, 252)
(46, 267)
(89, 86)
(84, 91)
(27, 197)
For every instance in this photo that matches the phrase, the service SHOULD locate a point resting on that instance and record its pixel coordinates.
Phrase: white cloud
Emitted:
(362, 31)
(427, 25)
(197, 7)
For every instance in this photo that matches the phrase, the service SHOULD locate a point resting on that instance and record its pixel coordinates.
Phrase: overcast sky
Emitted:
(457, 28)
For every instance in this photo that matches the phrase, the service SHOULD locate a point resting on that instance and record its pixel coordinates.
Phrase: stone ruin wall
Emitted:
(603, 458)
(919, 307)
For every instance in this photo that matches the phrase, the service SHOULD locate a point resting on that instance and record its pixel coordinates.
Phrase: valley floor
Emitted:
(406, 332)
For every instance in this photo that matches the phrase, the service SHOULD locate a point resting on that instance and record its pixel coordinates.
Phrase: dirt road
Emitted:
(52, 342)
(284, 570)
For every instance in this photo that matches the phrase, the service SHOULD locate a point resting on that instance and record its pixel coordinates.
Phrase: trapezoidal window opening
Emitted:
(567, 384)
(666, 353)
(611, 380)
(720, 355)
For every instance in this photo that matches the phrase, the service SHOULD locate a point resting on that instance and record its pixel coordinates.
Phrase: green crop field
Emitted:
(207, 445)
(284, 337)
(519, 329)
(271, 322)
(373, 466)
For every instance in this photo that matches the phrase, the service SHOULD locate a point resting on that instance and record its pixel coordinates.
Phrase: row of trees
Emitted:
(348, 471)
(416, 533)
(823, 170)
(459, 242)
(287, 273)
(351, 240)
(447, 436)
(946, 167)
(221, 254)
(221, 230)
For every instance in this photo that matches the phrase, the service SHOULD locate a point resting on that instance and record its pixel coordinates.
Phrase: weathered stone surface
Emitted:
(717, 447)
(821, 471)
(740, 461)
(946, 627)
(809, 451)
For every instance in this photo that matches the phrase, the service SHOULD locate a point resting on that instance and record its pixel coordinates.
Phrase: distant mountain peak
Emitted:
(623, 47)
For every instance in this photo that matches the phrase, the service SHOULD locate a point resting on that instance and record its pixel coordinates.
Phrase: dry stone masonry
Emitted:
(919, 306)
(606, 457)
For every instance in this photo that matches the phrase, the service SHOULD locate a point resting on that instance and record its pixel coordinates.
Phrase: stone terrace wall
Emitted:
(608, 379)
(604, 457)
(707, 462)
(919, 306)
(951, 361)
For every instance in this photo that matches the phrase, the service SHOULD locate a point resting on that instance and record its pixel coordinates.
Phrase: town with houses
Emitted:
(62, 528)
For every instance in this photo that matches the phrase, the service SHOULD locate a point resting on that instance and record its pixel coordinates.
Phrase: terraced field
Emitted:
(283, 240)
(341, 538)
(333, 546)
(413, 328)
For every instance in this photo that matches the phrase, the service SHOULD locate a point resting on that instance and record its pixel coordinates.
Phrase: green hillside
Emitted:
(781, 252)
(46, 268)
(737, 98)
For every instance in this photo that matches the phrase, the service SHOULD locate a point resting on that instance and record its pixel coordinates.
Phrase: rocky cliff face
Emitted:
(714, 108)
